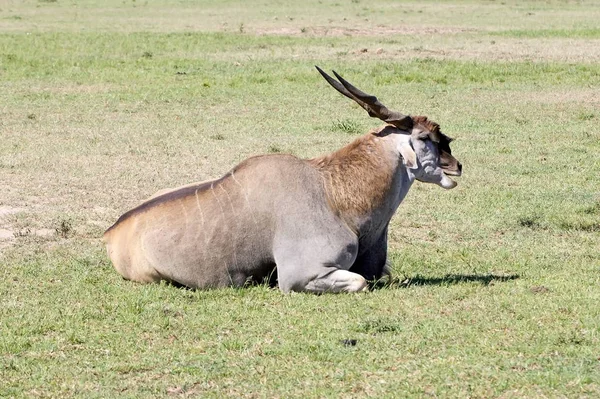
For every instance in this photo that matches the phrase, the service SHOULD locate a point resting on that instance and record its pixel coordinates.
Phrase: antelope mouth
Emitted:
(452, 172)
(447, 182)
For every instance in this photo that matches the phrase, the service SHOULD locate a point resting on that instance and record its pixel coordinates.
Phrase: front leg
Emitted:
(371, 264)
(318, 263)
(336, 281)
(316, 276)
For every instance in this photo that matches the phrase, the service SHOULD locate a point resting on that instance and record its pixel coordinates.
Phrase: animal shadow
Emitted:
(448, 279)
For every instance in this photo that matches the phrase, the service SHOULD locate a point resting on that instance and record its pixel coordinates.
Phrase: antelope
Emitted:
(321, 224)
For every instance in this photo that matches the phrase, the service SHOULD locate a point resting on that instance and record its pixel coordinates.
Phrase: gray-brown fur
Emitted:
(322, 223)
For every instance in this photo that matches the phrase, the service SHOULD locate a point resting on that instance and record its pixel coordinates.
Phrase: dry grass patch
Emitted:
(236, 16)
(583, 96)
(508, 49)
(372, 31)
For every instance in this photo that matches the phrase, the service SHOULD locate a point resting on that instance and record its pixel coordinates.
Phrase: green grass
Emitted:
(592, 33)
(496, 282)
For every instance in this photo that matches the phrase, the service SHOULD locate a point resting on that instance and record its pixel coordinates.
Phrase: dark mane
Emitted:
(426, 123)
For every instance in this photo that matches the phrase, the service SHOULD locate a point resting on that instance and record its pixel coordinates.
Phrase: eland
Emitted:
(321, 224)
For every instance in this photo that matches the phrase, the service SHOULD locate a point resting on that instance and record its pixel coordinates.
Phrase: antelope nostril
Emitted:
(459, 167)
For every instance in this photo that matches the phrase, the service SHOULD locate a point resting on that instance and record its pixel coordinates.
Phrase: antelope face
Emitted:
(433, 154)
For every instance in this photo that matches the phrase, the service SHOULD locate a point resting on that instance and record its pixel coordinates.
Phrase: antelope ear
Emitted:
(409, 158)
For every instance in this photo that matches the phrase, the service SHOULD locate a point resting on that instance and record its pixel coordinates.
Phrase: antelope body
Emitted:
(322, 223)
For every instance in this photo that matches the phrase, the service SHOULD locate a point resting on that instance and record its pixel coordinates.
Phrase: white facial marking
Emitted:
(429, 170)
(447, 182)
(404, 148)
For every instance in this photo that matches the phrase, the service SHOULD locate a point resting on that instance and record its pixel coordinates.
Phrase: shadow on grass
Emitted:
(403, 282)
(448, 279)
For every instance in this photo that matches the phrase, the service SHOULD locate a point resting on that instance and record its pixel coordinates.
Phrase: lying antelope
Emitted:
(322, 222)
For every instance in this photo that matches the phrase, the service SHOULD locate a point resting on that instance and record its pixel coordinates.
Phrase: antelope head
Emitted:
(425, 150)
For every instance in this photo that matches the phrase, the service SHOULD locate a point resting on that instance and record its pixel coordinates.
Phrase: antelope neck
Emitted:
(362, 180)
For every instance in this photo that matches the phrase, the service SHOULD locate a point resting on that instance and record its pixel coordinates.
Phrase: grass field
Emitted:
(497, 282)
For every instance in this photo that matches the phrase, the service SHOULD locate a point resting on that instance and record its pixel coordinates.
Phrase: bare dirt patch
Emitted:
(493, 49)
(405, 43)
(7, 235)
(564, 50)
(582, 96)
(333, 31)
(7, 210)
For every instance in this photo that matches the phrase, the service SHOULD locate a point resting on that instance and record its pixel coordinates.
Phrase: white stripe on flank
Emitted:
(234, 237)
(224, 220)
(201, 215)
(246, 198)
